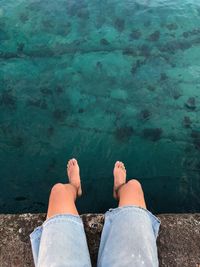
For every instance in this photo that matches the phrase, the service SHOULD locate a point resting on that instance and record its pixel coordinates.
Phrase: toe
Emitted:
(122, 166)
(74, 161)
(118, 164)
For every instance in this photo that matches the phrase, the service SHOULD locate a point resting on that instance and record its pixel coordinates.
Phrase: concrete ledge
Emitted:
(178, 240)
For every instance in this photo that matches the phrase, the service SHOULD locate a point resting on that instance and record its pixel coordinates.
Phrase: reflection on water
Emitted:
(100, 81)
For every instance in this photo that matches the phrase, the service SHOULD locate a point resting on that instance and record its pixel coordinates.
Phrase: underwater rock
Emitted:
(187, 122)
(155, 36)
(3, 35)
(145, 114)
(172, 26)
(35, 103)
(124, 133)
(196, 138)
(163, 76)
(188, 149)
(145, 50)
(41, 51)
(137, 65)
(72, 7)
(50, 131)
(48, 24)
(174, 92)
(119, 24)
(2, 24)
(184, 45)
(20, 47)
(59, 114)
(34, 6)
(7, 99)
(185, 34)
(83, 13)
(103, 41)
(191, 103)
(151, 87)
(64, 29)
(147, 23)
(197, 166)
(171, 47)
(195, 134)
(6, 129)
(59, 90)
(17, 141)
(81, 110)
(23, 17)
(100, 20)
(20, 198)
(99, 65)
(40, 103)
(46, 91)
(135, 34)
(153, 134)
(191, 33)
(195, 31)
(50, 27)
(8, 55)
(129, 51)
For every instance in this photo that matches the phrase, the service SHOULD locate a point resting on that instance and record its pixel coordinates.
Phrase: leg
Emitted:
(63, 196)
(61, 240)
(62, 200)
(129, 193)
(130, 230)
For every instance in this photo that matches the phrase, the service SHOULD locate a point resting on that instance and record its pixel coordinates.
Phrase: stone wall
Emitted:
(178, 240)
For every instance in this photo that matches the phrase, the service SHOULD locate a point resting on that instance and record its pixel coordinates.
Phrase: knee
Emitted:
(135, 185)
(57, 188)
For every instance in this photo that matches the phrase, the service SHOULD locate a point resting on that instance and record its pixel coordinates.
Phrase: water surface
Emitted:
(100, 81)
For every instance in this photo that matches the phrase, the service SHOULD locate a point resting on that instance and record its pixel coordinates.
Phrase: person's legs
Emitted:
(129, 193)
(62, 200)
(63, 196)
(130, 230)
(61, 240)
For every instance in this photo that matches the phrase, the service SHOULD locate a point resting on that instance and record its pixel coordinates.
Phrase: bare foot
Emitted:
(73, 173)
(119, 173)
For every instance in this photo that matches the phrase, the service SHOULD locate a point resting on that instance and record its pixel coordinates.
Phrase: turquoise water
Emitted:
(100, 81)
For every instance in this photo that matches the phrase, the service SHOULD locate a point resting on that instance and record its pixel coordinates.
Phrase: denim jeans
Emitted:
(128, 240)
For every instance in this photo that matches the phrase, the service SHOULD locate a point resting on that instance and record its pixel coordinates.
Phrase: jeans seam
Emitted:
(61, 220)
(137, 209)
(125, 209)
(69, 217)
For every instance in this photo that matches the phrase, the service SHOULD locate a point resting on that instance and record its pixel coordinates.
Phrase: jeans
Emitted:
(128, 240)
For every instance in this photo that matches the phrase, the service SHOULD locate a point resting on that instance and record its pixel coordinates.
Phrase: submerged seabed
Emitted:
(100, 81)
